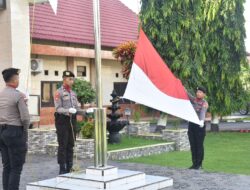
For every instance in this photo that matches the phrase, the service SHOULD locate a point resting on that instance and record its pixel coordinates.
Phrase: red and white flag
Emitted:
(151, 83)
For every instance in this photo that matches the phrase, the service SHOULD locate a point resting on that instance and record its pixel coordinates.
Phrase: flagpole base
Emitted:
(108, 177)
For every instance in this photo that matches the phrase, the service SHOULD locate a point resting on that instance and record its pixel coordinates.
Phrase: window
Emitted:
(2, 4)
(48, 90)
(46, 72)
(81, 71)
(117, 75)
(120, 88)
(56, 73)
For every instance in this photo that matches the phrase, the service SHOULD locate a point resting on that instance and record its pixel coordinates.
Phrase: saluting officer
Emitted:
(197, 133)
(14, 123)
(66, 106)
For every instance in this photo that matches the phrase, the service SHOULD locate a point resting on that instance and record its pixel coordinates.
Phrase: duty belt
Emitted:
(5, 125)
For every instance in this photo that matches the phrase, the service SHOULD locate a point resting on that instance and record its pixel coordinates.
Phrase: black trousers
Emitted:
(196, 136)
(13, 149)
(66, 132)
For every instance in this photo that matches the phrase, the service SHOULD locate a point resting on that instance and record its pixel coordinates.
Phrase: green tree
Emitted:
(224, 34)
(85, 92)
(175, 29)
(202, 42)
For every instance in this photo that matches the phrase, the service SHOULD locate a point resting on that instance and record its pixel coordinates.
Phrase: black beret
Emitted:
(10, 72)
(201, 88)
(68, 74)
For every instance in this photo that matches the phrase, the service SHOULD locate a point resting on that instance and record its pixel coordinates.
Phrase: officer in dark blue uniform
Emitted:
(196, 133)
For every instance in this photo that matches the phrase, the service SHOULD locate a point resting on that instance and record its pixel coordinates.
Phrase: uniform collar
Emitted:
(67, 88)
(10, 86)
(199, 99)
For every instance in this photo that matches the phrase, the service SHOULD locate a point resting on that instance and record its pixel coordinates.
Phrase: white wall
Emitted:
(51, 63)
(15, 40)
(54, 63)
(109, 70)
(82, 62)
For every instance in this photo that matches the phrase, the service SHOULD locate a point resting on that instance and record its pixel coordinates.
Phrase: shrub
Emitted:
(85, 92)
(88, 130)
(137, 116)
(125, 52)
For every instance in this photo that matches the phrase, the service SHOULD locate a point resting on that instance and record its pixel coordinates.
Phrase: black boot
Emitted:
(192, 167)
(69, 167)
(198, 167)
(62, 169)
(194, 164)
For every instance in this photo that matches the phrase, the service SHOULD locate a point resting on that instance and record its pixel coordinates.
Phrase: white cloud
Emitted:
(247, 24)
(134, 5)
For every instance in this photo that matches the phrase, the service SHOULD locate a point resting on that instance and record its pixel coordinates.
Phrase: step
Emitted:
(101, 182)
(123, 180)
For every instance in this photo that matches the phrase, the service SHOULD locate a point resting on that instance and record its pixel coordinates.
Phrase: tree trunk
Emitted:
(215, 123)
(162, 122)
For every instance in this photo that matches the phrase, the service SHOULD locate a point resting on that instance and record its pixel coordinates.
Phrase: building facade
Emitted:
(66, 42)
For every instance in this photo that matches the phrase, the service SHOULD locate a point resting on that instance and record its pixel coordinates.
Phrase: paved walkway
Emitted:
(223, 126)
(44, 167)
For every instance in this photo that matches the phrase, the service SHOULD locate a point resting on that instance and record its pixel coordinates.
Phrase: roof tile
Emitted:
(74, 22)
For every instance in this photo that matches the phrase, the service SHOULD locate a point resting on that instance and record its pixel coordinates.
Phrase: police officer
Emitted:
(14, 123)
(196, 133)
(66, 106)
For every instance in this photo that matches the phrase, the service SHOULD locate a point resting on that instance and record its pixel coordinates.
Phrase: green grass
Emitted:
(130, 142)
(226, 152)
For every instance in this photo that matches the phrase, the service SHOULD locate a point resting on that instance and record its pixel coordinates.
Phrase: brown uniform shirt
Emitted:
(13, 109)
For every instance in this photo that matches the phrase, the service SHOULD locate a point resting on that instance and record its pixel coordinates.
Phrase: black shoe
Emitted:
(191, 167)
(62, 169)
(69, 168)
(198, 167)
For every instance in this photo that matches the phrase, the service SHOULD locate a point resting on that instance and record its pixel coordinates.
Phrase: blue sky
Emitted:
(135, 6)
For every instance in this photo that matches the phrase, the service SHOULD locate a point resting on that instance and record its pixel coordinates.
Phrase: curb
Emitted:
(235, 121)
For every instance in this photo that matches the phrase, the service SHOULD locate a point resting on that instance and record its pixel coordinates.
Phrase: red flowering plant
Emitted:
(125, 53)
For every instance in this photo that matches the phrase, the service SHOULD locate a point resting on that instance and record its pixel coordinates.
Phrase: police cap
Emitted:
(68, 74)
(201, 88)
(9, 73)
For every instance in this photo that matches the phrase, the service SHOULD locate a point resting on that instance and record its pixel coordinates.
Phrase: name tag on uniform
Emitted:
(65, 96)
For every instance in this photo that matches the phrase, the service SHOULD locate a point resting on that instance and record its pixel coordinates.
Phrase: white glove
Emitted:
(90, 110)
(72, 110)
(201, 123)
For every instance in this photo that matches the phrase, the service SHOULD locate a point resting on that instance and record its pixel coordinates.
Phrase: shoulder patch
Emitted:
(57, 96)
(205, 105)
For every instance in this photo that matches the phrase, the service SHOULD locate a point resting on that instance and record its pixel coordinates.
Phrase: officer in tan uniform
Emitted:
(67, 107)
(197, 133)
(14, 123)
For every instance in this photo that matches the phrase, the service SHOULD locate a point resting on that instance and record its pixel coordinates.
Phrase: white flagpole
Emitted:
(100, 112)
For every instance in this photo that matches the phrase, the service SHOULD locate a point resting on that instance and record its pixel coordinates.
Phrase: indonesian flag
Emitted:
(151, 83)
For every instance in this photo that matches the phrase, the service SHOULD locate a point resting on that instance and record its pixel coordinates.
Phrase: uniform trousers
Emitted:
(196, 136)
(13, 149)
(66, 132)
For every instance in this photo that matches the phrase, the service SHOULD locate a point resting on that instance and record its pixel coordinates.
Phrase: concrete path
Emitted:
(44, 167)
